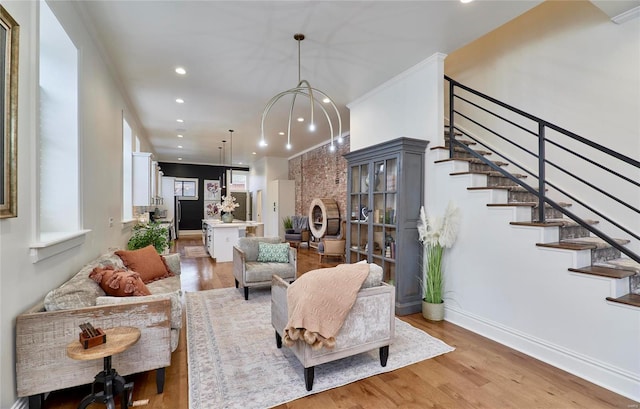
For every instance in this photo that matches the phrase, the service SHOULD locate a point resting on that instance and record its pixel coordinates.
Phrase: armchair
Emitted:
(248, 272)
(333, 246)
(301, 232)
(373, 310)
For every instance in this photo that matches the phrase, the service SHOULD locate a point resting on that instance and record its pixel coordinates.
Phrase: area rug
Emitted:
(234, 363)
(195, 251)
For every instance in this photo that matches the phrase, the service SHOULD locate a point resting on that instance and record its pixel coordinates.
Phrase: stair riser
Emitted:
(520, 197)
(634, 284)
(573, 232)
(500, 181)
(549, 213)
(600, 255)
(464, 155)
(480, 167)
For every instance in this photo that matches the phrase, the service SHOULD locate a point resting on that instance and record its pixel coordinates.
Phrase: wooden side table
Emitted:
(119, 339)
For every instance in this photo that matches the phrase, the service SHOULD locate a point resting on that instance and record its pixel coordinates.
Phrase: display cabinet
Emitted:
(385, 188)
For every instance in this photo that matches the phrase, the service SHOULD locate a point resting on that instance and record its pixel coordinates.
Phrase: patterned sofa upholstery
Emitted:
(248, 272)
(370, 324)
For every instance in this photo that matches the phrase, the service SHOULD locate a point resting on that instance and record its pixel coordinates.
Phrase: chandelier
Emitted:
(314, 95)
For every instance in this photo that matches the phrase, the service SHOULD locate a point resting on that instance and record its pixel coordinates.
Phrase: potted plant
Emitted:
(287, 222)
(149, 233)
(436, 234)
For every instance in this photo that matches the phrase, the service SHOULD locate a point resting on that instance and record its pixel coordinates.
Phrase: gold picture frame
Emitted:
(9, 38)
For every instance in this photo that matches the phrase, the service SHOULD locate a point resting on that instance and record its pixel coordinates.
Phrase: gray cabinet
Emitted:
(385, 188)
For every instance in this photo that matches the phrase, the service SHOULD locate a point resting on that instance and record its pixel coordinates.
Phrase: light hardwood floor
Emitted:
(480, 373)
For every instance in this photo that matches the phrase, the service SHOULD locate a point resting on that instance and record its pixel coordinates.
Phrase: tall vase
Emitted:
(227, 217)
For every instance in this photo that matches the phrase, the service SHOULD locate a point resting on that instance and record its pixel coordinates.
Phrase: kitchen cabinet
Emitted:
(385, 189)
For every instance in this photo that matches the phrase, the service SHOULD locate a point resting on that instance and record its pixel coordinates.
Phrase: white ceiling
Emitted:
(238, 54)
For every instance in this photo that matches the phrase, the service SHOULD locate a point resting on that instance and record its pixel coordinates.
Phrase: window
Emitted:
(58, 217)
(127, 172)
(239, 181)
(186, 188)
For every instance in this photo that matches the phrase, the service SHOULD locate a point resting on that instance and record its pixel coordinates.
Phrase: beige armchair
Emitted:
(333, 246)
(248, 272)
(373, 309)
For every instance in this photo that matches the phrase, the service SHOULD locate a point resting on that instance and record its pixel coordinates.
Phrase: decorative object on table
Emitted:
(435, 234)
(314, 96)
(227, 207)
(212, 189)
(287, 223)
(145, 234)
(91, 337)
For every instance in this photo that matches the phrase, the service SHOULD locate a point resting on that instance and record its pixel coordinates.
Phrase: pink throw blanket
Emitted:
(319, 302)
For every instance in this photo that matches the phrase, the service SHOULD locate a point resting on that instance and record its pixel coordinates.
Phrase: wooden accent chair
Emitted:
(333, 246)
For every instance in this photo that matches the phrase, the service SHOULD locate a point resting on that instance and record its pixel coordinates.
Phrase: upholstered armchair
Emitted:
(249, 272)
(300, 232)
(333, 246)
(374, 310)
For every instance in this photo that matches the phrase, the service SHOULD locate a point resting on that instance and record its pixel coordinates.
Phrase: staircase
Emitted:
(560, 232)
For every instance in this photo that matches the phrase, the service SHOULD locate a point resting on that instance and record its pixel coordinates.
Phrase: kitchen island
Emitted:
(219, 238)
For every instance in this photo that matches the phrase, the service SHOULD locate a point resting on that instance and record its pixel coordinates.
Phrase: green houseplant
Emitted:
(287, 223)
(436, 234)
(149, 233)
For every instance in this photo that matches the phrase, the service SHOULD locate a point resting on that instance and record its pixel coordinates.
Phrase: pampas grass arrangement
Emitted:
(436, 234)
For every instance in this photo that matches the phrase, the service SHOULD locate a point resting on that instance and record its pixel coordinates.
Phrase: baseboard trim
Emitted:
(612, 378)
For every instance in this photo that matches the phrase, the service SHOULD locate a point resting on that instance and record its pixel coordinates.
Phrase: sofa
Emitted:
(250, 271)
(369, 324)
(44, 330)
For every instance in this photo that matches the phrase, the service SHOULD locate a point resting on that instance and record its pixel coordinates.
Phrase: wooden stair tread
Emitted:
(597, 241)
(567, 246)
(471, 160)
(459, 149)
(553, 223)
(603, 271)
(487, 173)
(629, 299)
(510, 188)
(524, 204)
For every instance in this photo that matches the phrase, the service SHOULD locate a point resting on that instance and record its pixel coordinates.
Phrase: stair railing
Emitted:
(484, 120)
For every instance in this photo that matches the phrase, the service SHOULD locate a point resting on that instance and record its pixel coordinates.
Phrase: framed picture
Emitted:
(9, 35)
(212, 190)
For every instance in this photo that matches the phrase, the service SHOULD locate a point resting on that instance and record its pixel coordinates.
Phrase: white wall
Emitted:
(498, 283)
(262, 172)
(22, 283)
(568, 63)
(389, 111)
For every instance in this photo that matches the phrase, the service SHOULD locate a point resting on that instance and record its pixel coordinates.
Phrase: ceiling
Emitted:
(239, 54)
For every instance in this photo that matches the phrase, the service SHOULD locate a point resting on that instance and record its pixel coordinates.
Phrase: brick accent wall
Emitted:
(320, 173)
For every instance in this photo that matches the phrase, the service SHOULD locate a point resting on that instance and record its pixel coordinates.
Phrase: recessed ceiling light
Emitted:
(301, 119)
(326, 100)
(180, 136)
(179, 146)
(181, 71)
(465, 1)
(179, 158)
(253, 153)
(280, 133)
(180, 100)
(180, 120)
